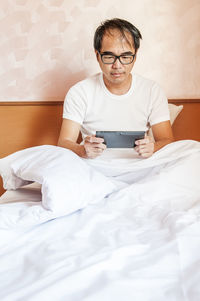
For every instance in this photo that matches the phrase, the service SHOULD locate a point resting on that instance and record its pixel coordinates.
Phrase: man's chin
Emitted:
(117, 77)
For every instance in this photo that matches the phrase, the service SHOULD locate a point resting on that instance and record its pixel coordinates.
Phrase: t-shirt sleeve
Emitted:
(159, 106)
(74, 105)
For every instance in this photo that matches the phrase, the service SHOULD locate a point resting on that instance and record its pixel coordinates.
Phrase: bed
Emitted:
(135, 238)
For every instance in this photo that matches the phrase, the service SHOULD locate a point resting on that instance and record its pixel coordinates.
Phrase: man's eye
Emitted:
(126, 57)
(108, 56)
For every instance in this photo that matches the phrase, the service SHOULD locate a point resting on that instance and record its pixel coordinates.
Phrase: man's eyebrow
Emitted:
(127, 53)
(123, 53)
(108, 52)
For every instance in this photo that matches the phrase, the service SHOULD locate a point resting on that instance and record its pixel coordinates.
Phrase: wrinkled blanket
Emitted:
(142, 242)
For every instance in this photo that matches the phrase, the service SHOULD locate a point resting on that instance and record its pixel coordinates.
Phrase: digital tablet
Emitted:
(120, 139)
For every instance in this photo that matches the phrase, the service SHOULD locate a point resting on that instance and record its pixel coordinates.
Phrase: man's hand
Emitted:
(93, 147)
(145, 147)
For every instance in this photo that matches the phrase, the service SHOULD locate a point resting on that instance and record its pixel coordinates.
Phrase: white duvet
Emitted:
(140, 243)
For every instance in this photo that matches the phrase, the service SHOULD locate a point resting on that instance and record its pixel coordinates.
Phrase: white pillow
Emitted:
(10, 180)
(173, 111)
(68, 182)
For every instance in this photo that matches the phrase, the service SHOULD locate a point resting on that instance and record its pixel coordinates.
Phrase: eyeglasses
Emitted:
(110, 58)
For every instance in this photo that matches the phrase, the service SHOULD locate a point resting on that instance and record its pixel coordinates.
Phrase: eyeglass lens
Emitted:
(110, 59)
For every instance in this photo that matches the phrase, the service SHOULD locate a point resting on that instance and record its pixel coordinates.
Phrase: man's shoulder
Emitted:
(144, 81)
(148, 86)
(86, 83)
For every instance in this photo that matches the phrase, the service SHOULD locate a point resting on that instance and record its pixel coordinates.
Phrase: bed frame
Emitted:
(26, 124)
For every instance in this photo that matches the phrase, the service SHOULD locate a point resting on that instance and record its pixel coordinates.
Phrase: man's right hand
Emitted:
(94, 147)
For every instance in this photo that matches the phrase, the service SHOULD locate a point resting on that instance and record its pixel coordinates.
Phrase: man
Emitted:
(115, 99)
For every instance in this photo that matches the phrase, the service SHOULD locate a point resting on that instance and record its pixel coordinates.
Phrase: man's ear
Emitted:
(97, 55)
(135, 57)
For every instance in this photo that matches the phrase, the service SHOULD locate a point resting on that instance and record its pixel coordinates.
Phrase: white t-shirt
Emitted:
(93, 106)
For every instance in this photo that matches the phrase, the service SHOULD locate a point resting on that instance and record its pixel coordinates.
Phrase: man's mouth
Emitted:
(116, 74)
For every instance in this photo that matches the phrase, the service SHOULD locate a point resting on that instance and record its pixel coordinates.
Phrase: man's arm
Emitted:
(163, 135)
(69, 133)
(68, 136)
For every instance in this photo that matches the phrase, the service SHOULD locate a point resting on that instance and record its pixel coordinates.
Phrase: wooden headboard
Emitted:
(26, 124)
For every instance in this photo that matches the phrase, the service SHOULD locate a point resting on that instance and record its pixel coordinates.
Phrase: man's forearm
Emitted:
(73, 146)
(159, 144)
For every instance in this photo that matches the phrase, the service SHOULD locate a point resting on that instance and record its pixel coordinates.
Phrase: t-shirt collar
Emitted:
(114, 95)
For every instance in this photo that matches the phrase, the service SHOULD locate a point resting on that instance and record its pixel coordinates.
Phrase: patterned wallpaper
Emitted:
(46, 45)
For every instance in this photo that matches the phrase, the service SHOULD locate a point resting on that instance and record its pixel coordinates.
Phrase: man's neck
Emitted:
(118, 88)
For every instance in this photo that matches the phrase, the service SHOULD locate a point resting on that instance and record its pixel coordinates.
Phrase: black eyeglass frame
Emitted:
(116, 57)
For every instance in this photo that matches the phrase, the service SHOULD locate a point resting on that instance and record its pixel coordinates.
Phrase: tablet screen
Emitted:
(120, 139)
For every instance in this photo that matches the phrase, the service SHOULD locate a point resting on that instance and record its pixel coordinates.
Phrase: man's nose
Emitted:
(117, 63)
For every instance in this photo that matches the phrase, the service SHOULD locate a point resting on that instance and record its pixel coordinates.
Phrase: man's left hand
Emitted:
(145, 147)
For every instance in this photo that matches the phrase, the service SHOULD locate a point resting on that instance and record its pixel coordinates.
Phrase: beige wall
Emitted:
(46, 45)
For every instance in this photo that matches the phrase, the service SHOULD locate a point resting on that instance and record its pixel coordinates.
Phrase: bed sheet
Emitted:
(141, 243)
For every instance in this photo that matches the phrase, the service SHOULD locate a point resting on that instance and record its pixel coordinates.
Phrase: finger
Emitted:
(145, 155)
(98, 146)
(95, 145)
(142, 147)
(101, 146)
(97, 150)
(93, 139)
(97, 139)
(142, 141)
(94, 153)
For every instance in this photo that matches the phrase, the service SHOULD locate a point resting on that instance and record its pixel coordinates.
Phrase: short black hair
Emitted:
(123, 26)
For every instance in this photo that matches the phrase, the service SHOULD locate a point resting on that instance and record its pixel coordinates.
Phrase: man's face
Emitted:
(113, 42)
